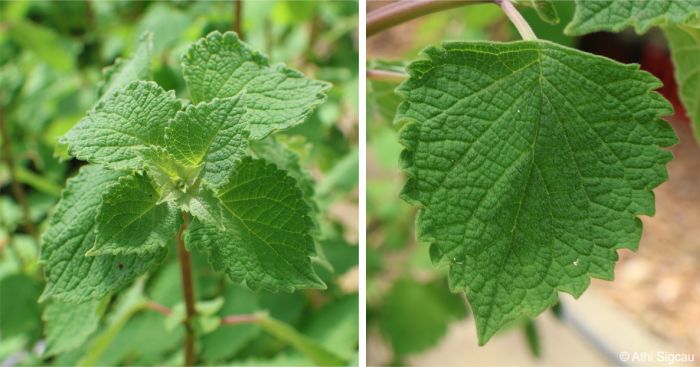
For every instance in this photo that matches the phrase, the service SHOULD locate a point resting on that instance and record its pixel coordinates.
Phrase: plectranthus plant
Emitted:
(531, 162)
(164, 174)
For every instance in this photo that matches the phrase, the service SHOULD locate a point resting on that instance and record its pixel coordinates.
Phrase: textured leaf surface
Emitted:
(685, 51)
(530, 162)
(276, 97)
(68, 325)
(266, 241)
(131, 118)
(212, 135)
(71, 276)
(125, 71)
(131, 219)
(616, 15)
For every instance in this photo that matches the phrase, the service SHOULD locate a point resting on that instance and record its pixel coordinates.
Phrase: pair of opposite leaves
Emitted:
(530, 161)
(150, 159)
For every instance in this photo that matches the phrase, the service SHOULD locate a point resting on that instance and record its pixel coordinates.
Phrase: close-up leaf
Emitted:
(616, 15)
(112, 132)
(71, 276)
(211, 136)
(530, 163)
(132, 220)
(266, 242)
(276, 97)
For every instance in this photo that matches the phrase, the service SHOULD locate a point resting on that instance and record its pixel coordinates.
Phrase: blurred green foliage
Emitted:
(52, 56)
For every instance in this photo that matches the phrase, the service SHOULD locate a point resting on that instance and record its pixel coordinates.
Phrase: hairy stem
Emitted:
(17, 190)
(187, 290)
(405, 10)
(238, 18)
(518, 21)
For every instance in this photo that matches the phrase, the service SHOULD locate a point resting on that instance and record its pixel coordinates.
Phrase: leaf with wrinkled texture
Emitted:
(131, 219)
(212, 135)
(71, 276)
(129, 119)
(266, 241)
(125, 71)
(276, 97)
(69, 325)
(530, 162)
(685, 51)
(616, 15)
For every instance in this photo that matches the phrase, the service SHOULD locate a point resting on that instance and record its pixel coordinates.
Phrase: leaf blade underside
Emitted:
(530, 162)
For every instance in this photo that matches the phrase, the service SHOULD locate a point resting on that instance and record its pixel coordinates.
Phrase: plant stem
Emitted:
(239, 319)
(518, 21)
(17, 190)
(386, 76)
(187, 290)
(405, 10)
(238, 18)
(157, 307)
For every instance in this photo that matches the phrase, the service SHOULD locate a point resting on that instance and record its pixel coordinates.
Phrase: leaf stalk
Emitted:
(187, 290)
(518, 21)
(405, 10)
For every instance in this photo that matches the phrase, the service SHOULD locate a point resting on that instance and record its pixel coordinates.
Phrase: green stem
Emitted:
(518, 21)
(187, 290)
(405, 10)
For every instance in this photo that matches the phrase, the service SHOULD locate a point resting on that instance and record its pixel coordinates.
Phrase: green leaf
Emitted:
(411, 306)
(545, 9)
(530, 162)
(276, 97)
(685, 51)
(616, 15)
(212, 135)
(68, 325)
(71, 276)
(131, 219)
(125, 71)
(129, 119)
(266, 241)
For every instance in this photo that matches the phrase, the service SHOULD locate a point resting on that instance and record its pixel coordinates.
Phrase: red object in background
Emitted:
(657, 61)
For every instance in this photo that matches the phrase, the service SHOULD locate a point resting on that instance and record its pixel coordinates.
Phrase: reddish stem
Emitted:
(239, 319)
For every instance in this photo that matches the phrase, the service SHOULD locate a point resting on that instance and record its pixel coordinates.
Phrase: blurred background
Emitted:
(654, 303)
(51, 58)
